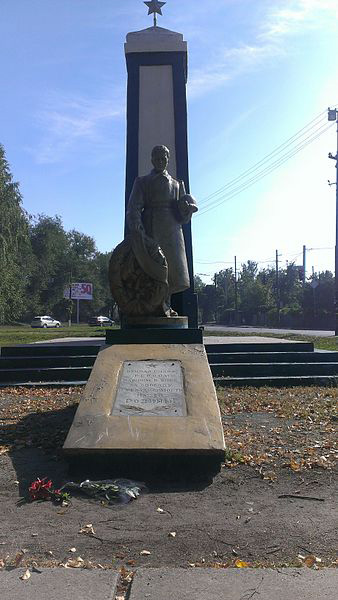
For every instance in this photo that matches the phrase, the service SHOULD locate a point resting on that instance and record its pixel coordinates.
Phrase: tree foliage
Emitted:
(259, 293)
(39, 259)
(14, 245)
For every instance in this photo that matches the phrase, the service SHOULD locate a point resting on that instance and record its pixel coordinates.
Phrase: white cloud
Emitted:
(292, 16)
(69, 122)
(232, 63)
(288, 18)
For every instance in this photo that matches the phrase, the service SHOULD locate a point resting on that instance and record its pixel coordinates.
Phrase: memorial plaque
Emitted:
(151, 388)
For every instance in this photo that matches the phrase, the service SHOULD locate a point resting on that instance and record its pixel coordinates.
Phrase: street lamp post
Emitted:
(333, 116)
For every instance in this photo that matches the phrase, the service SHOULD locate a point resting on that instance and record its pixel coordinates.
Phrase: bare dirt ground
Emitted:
(272, 503)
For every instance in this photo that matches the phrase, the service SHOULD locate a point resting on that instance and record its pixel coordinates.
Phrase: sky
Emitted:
(261, 76)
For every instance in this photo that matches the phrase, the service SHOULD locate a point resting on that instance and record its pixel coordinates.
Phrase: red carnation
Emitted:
(40, 489)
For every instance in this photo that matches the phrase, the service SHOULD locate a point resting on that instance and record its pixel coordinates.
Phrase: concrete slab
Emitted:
(56, 584)
(97, 427)
(244, 339)
(207, 339)
(234, 584)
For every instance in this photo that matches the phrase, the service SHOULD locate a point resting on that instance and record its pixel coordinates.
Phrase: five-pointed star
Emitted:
(155, 6)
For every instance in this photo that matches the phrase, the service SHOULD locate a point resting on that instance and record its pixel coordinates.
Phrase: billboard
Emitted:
(79, 291)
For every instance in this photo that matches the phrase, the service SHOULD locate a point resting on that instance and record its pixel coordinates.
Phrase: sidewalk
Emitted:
(176, 584)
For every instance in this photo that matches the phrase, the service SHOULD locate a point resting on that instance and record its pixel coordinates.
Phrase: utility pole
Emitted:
(304, 266)
(236, 293)
(277, 289)
(333, 116)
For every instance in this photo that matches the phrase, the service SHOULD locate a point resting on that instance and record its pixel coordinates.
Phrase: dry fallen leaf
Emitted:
(145, 553)
(160, 510)
(19, 556)
(172, 534)
(2, 563)
(72, 550)
(26, 575)
(295, 466)
(87, 529)
(73, 563)
(241, 564)
(309, 561)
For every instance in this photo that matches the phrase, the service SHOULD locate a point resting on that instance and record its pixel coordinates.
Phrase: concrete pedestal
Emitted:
(145, 403)
(155, 323)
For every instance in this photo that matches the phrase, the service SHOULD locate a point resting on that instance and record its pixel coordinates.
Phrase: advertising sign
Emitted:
(79, 291)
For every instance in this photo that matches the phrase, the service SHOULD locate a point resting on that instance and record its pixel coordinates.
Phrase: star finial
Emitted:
(155, 7)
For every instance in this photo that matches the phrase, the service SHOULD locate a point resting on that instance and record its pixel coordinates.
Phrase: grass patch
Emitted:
(15, 334)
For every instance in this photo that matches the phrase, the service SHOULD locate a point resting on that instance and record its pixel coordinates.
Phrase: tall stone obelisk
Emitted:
(157, 114)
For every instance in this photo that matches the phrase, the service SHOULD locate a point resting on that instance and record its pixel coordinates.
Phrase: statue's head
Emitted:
(160, 158)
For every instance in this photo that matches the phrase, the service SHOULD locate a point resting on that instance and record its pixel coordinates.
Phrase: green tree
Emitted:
(14, 246)
(50, 246)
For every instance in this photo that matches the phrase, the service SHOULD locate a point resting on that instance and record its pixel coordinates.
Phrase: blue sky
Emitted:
(259, 71)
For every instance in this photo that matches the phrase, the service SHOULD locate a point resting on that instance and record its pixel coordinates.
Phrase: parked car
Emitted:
(100, 321)
(45, 321)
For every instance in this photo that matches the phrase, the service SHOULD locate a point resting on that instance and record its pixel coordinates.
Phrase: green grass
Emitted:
(24, 334)
(321, 343)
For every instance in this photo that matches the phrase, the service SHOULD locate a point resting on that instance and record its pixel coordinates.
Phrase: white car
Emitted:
(45, 321)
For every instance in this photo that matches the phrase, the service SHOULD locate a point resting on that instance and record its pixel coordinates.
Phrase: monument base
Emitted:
(155, 323)
(148, 407)
(153, 336)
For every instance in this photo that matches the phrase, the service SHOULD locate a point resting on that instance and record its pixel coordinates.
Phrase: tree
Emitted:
(50, 248)
(14, 246)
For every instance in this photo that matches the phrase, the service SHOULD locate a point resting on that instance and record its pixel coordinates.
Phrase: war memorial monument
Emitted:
(150, 396)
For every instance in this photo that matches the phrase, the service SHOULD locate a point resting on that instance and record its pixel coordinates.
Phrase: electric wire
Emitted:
(266, 171)
(266, 158)
(279, 161)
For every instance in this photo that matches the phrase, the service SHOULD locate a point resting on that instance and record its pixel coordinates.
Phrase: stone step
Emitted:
(277, 381)
(34, 375)
(264, 347)
(36, 362)
(273, 369)
(49, 350)
(272, 357)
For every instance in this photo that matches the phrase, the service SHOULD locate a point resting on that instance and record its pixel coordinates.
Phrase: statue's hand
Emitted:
(187, 207)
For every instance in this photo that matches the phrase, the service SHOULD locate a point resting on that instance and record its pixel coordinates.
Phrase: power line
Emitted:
(266, 158)
(262, 174)
(273, 165)
(286, 257)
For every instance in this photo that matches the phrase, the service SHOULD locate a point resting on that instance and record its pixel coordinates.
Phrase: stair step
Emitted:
(272, 357)
(36, 362)
(56, 384)
(323, 380)
(49, 350)
(264, 347)
(267, 369)
(20, 376)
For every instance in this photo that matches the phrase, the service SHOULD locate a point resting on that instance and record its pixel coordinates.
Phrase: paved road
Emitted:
(244, 330)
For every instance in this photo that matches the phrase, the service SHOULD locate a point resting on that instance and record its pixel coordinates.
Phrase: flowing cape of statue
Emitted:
(139, 290)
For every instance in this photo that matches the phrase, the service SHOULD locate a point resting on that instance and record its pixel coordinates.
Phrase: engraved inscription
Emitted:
(151, 388)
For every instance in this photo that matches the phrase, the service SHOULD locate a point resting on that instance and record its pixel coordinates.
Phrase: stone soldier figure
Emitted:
(152, 260)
